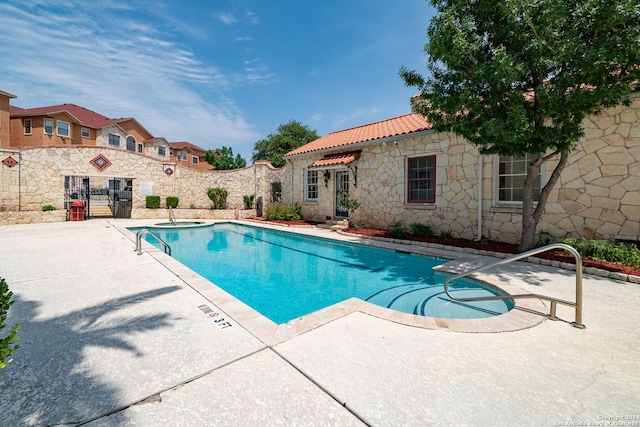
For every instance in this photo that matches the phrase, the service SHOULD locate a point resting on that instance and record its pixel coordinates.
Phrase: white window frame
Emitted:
(67, 124)
(44, 127)
(195, 160)
(496, 180)
(307, 185)
(85, 133)
(29, 126)
(162, 150)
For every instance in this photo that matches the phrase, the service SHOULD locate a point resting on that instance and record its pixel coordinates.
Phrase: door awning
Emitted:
(336, 161)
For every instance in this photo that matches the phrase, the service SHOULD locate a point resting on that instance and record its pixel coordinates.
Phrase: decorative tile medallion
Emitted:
(168, 171)
(100, 162)
(10, 162)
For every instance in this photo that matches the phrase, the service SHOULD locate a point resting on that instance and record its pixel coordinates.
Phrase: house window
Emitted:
(48, 126)
(178, 155)
(185, 156)
(27, 127)
(512, 171)
(311, 185)
(161, 151)
(85, 133)
(194, 160)
(131, 143)
(63, 128)
(114, 140)
(139, 148)
(171, 151)
(421, 179)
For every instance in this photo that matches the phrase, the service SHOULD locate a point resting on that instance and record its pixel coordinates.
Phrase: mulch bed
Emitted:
(484, 244)
(491, 245)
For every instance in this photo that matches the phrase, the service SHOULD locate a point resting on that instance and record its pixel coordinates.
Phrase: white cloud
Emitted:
(226, 18)
(130, 70)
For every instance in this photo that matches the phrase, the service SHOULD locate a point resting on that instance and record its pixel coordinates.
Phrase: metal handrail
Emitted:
(139, 234)
(173, 216)
(552, 313)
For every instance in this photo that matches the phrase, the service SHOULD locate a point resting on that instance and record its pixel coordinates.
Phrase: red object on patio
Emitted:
(77, 211)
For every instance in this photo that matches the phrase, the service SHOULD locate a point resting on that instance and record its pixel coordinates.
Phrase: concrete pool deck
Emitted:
(112, 338)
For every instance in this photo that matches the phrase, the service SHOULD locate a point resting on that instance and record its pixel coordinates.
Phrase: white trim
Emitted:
(68, 135)
(305, 189)
(30, 126)
(44, 126)
(495, 184)
(82, 130)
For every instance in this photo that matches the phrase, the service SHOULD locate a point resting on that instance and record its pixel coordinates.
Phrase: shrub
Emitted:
(192, 206)
(604, 250)
(398, 230)
(218, 196)
(446, 234)
(153, 202)
(283, 212)
(248, 201)
(7, 344)
(420, 230)
(49, 208)
(172, 201)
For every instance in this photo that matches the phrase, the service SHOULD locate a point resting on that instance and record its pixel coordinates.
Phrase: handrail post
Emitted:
(139, 234)
(552, 315)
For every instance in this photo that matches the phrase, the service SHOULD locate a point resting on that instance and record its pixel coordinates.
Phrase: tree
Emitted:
(7, 344)
(222, 159)
(289, 137)
(518, 77)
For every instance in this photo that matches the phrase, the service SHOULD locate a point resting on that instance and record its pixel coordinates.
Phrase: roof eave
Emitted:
(360, 144)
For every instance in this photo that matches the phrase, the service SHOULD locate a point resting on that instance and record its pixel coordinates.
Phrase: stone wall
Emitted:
(598, 195)
(38, 178)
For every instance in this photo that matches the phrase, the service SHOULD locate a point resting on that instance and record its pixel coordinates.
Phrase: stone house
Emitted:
(401, 170)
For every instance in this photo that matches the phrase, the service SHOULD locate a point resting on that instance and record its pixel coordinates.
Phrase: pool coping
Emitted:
(527, 313)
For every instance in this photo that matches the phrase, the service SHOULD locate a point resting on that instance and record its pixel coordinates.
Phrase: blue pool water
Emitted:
(285, 275)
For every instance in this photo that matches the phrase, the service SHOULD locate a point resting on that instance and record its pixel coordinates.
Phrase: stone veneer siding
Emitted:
(38, 180)
(597, 196)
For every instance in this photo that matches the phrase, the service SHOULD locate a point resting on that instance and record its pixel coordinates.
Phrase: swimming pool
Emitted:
(286, 275)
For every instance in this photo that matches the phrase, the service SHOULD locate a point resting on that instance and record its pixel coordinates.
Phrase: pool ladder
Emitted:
(139, 234)
(172, 216)
(554, 301)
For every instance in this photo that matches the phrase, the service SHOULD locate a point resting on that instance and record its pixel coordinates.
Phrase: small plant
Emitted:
(172, 201)
(248, 201)
(218, 196)
(350, 204)
(49, 208)
(544, 239)
(398, 230)
(7, 344)
(420, 230)
(283, 213)
(605, 250)
(153, 202)
(192, 206)
(446, 234)
(357, 225)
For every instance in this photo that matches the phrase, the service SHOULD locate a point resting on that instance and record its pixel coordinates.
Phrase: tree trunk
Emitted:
(530, 215)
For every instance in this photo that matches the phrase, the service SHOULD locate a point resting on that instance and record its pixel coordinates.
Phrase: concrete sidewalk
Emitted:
(112, 338)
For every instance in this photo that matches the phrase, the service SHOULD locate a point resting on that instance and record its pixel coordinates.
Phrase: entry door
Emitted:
(342, 190)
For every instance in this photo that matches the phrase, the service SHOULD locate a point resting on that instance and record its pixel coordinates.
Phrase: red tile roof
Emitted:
(80, 114)
(181, 145)
(402, 125)
(342, 159)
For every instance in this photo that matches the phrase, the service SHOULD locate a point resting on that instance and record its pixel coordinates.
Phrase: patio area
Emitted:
(112, 338)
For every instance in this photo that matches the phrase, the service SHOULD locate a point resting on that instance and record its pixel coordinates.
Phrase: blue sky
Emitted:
(218, 72)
